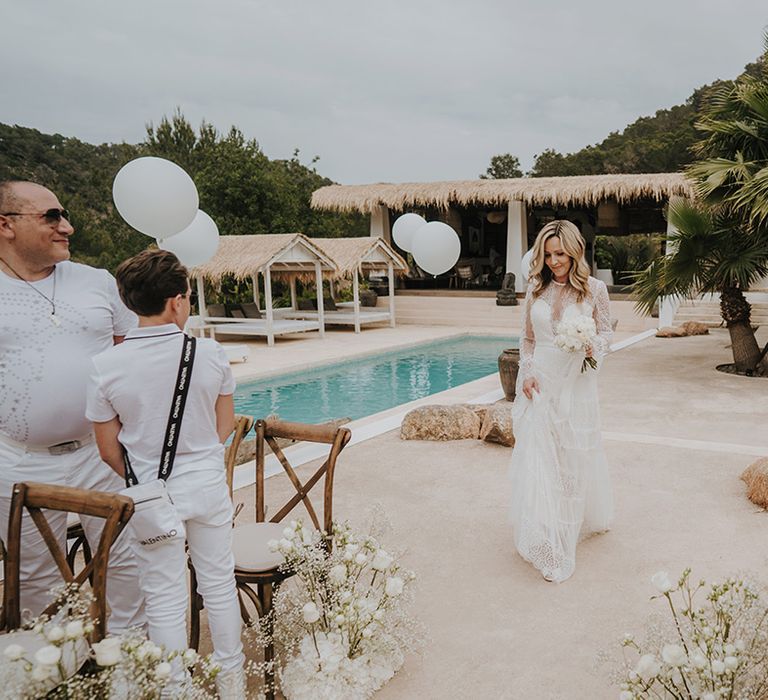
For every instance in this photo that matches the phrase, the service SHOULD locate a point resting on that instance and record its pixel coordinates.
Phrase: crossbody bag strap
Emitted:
(172, 430)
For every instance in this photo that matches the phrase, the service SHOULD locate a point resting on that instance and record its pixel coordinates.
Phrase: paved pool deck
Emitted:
(677, 435)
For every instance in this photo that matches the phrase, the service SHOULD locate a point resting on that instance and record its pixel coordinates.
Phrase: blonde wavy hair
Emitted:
(573, 244)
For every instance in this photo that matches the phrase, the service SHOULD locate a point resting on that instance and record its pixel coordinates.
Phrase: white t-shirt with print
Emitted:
(135, 381)
(44, 368)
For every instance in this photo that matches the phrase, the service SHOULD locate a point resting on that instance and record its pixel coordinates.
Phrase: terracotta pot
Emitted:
(509, 365)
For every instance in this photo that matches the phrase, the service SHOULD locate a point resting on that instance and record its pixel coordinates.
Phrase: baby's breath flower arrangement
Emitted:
(343, 626)
(44, 657)
(712, 649)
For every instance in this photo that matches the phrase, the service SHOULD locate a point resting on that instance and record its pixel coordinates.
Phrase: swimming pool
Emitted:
(365, 386)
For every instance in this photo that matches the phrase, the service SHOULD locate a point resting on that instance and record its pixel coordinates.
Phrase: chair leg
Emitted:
(195, 607)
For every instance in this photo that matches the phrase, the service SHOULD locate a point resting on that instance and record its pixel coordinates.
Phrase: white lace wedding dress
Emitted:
(561, 489)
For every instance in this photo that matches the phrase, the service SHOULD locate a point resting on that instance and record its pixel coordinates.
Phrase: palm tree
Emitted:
(708, 253)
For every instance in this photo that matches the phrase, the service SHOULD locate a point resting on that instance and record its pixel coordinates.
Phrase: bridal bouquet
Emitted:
(344, 625)
(710, 649)
(576, 334)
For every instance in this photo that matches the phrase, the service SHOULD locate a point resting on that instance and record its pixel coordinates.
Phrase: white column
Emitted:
(293, 292)
(320, 305)
(668, 305)
(391, 280)
(201, 310)
(356, 300)
(380, 223)
(268, 305)
(517, 240)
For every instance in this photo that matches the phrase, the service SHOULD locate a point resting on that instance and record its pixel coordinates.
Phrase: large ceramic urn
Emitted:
(509, 365)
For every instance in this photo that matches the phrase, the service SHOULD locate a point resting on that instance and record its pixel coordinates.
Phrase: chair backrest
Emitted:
(464, 271)
(215, 310)
(243, 425)
(251, 309)
(116, 511)
(268, 431)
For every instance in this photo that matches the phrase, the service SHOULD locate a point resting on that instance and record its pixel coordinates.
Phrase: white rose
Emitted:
(286, 545)
(13, 652)
(55, 634)
(662, 582)
(394, 586)
(360, 559)
(729, 649)
(381, 561)
(75, 629)
(163, 670)
(673, 654)
(153, 651)
(48, 656)
(718, 667)
(189, 657)
(108, 651)
(340, 619)
(731, 663)
(647, 667)
(338, 574)
(311, 613)
(42, 672)
(273, 545)
(288, 533)
(698, 660)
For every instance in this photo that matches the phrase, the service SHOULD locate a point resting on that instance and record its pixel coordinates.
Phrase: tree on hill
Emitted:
(503, 166)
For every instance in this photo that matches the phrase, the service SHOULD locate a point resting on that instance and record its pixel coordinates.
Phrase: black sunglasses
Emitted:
(52, 216)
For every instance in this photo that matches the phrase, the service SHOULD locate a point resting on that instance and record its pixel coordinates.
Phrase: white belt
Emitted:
(61, 448)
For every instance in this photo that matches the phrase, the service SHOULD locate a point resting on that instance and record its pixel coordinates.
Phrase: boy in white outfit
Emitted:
(131, 389)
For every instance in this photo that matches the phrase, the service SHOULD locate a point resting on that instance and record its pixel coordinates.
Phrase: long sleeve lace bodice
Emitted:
(545, 311)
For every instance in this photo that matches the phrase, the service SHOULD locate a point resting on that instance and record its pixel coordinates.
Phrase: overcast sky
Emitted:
(381, 91)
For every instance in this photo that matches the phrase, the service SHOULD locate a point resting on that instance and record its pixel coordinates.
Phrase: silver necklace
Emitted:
(51, 300)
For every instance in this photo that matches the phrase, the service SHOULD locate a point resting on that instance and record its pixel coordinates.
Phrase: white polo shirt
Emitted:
(44, 368)
(135, 381)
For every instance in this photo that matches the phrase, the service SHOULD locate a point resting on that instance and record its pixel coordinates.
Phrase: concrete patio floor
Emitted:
(677, 435)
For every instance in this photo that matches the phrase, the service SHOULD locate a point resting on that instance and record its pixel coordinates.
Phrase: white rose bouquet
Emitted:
(712, 649)
(577, 334)
(128, 666)
(343, 626)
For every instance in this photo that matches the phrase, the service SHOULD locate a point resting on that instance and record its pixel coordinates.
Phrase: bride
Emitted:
(561, 489)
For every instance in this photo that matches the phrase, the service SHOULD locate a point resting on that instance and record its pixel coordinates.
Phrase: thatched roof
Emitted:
(285, 253)
(576, 190)
(368, 253)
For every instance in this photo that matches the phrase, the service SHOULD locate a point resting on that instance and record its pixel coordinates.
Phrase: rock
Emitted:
(497, 426)
(695, 328)
(440, 423)
(671, 332)
(755, 476)
(479, 409)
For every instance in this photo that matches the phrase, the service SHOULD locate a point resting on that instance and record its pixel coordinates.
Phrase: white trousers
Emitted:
(80, 469)
(205, 508)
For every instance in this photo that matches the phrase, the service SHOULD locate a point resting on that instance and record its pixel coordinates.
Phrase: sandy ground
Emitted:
(677, 434)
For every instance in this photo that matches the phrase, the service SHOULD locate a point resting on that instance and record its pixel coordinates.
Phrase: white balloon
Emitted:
(404, 229)
(155, 196)
(197, 243)
(436, 247)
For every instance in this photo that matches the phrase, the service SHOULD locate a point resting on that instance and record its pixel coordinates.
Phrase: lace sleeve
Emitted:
(601, 312)
(527, 340)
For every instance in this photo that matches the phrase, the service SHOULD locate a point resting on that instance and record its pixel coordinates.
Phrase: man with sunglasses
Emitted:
(54, 316)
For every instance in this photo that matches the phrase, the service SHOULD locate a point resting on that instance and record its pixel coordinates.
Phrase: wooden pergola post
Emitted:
(320, 304)
(356, 299)
(268, 305)
(293, 292)
(255, 280)
(391, 280)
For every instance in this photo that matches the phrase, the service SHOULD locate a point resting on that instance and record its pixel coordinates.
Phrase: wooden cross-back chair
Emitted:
(243, 425)
(116, 511)
(255, 564)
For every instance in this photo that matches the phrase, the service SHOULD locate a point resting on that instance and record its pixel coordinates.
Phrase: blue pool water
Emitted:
(375, 383)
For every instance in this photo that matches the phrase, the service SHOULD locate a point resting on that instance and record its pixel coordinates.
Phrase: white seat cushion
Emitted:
(251, 549)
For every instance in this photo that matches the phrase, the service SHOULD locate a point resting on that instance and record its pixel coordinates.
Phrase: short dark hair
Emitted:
(148, 279)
